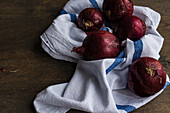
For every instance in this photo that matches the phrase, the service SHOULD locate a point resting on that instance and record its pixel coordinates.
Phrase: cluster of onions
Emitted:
(146, 75)
(91, 21)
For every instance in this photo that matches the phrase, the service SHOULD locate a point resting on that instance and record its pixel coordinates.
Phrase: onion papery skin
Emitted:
(99, 45)
(131, 27)
(90, 19)
(116, 9)
(146, 76)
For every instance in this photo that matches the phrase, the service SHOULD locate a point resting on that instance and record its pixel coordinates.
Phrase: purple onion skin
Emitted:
(90, 19)
(116, 9)
(146, 77)
(99, 45)
(131, 27)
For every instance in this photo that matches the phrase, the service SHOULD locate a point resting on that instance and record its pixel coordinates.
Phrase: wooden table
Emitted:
(29, 69)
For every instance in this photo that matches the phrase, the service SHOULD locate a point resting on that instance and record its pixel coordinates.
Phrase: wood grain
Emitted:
(21, 24)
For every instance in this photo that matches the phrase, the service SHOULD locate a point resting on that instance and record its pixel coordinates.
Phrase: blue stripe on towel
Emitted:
(73, 18)
(121, 55)
(127, 108)
(95, 5)
(105, 29)
(138, 45)
(63, 12)
(118, 61)
(166, 84)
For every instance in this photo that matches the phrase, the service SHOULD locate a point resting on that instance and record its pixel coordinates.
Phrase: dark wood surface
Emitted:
(21, 24)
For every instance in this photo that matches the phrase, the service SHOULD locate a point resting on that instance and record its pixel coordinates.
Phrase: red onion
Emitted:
(98, 45)
(90, 19)
(131, 27)
(116, 9)
(146, 76)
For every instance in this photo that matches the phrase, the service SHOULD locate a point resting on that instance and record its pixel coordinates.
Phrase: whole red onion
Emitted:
(98, 45)
(131, 27)
(146, 76)
(90, 19)
(116, 9)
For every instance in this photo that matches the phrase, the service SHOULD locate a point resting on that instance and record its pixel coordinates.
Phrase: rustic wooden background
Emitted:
(21, 24)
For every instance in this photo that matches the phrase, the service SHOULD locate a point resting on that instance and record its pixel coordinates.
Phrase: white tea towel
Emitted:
(98, 86)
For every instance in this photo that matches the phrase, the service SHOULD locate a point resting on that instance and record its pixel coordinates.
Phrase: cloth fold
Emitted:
(98, 86)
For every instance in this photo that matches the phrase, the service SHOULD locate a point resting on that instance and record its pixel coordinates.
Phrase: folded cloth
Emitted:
(98, 86)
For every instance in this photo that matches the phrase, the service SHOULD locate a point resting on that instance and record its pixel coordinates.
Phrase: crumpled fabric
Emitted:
(98, 86)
